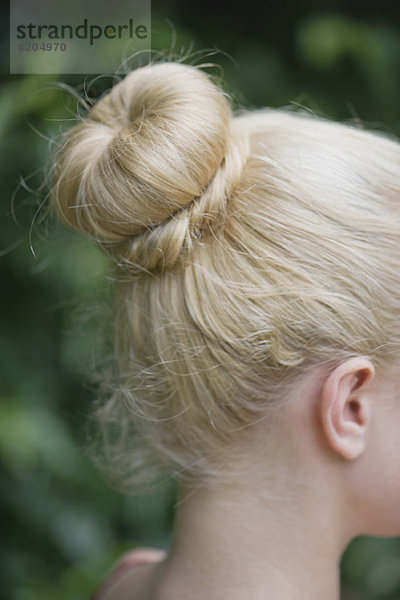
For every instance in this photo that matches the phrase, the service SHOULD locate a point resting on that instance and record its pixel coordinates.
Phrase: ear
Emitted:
(345, 407)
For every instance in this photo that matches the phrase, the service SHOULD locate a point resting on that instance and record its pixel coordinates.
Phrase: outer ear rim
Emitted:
(342, 392)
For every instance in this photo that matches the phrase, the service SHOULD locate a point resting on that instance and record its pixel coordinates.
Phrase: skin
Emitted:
(328, 472)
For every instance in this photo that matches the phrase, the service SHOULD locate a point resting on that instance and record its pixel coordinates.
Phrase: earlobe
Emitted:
(345, 407)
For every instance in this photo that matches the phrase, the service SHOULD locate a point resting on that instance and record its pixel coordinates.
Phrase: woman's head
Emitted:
(249, 248)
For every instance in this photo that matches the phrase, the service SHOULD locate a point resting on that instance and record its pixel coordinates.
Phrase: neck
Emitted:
(244, 546)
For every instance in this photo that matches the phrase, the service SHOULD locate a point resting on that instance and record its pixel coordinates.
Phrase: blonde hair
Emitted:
(248, 248)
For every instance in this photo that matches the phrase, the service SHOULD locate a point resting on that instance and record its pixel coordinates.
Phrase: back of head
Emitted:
(253, 246)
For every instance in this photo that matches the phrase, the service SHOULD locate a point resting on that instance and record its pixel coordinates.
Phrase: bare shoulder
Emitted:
(133, 577)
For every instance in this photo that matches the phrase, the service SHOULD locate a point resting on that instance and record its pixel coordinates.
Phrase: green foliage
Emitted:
(62, 526)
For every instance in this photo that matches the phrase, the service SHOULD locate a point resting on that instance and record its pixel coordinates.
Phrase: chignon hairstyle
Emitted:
(248, 246)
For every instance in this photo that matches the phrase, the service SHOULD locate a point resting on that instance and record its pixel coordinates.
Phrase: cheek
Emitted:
(382, 476)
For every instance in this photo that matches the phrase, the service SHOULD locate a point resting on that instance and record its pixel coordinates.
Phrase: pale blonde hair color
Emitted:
(248, 247)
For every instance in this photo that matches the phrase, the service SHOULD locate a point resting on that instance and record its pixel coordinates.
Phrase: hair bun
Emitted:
(148, 148)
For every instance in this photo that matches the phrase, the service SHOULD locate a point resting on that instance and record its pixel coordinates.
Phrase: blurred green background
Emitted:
(61, 525)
